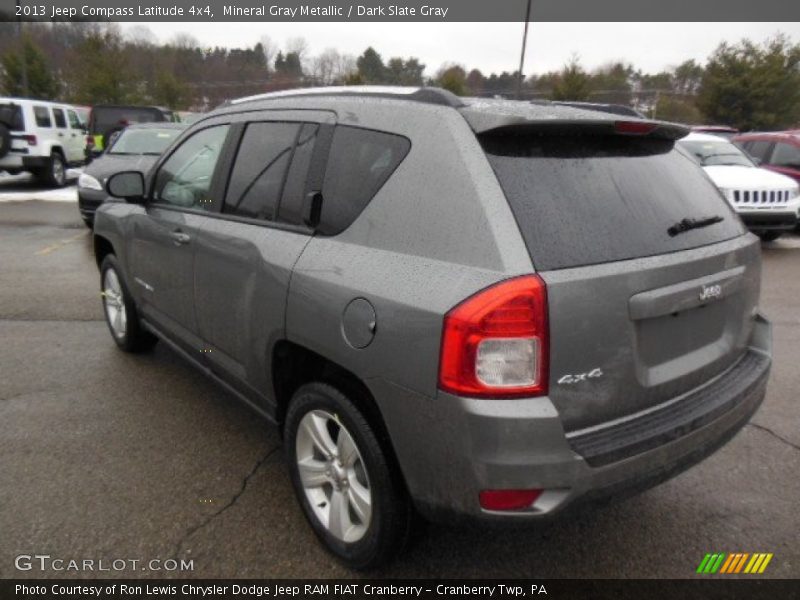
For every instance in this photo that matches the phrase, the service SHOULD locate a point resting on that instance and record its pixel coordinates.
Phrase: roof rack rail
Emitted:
(424, 95)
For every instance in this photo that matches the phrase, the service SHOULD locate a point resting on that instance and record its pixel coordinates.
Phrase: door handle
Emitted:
(180, 238)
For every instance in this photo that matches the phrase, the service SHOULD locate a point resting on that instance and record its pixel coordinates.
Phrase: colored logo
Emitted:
(736, 562)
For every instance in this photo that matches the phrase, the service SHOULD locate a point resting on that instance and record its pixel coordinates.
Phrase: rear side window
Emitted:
(42, 115)
(360, 162)
(259, 171)
(61, 120)
(786, 155)
(11, 116)
(596, 199)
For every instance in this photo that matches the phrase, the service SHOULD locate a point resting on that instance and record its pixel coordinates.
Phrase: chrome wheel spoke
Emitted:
(360, 500)
(339, 522)
(313, 473)
(317, 430)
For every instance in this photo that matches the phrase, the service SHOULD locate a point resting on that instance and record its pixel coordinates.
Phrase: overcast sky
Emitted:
(494, 47)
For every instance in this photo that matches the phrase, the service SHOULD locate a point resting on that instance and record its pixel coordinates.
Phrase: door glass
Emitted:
(290, 210)
(42, 116)
(61, 121)
(259, 171)
(74, 121)
(786, 155)
(184, 180)
(758, 148)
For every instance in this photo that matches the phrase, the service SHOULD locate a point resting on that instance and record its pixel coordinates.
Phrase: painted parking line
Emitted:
(58, 245)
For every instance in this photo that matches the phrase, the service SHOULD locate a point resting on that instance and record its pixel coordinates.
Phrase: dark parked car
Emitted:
(778, 151)
(136, 148)
(468, 308)
(107, 119)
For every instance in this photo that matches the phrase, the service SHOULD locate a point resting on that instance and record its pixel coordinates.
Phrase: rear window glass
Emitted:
(294, 191)
(596, 199)
(110, 118)
(360, 162)
(143, 141)
(11, 116)
(61, 120)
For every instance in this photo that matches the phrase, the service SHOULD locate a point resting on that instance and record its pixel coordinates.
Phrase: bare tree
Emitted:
(184, 40)
(140, 35)
(270, 50)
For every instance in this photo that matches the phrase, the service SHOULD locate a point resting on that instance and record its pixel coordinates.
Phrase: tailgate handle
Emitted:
(685, 295)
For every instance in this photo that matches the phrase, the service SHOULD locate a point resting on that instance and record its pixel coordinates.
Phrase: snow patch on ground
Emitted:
(22, 187)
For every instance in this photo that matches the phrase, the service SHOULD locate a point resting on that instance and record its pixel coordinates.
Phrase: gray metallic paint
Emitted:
(437, 232)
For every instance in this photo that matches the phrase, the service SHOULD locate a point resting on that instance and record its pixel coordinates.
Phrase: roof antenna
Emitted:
(522, 54)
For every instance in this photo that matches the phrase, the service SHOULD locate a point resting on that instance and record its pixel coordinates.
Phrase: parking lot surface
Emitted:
(113, 456)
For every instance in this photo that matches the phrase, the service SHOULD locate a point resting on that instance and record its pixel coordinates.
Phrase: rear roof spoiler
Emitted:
(568, 121)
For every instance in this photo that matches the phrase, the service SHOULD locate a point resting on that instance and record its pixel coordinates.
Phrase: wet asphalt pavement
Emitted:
(109, 456)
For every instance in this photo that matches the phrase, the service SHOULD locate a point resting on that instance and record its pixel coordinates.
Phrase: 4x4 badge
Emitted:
(578, 377)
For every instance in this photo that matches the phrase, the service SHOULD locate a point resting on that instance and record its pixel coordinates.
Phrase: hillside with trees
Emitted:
(748, 85)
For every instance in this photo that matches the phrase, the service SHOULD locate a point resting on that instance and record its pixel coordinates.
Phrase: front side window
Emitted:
(360, 162)
(259, 171)
(74, 120)
(42, 115)
(184, 180)
(786, 155)
(758, 148)
(61, 120)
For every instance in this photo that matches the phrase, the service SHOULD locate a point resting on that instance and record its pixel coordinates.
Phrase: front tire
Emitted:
(120, 310)
(352, 495)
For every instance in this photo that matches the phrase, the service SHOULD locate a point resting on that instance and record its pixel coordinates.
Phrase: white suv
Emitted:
(44, 138)
(767, 202)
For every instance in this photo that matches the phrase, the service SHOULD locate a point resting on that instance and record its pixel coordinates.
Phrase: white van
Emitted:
(44, 138)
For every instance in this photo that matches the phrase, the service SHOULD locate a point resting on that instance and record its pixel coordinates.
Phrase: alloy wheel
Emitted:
(333, 475)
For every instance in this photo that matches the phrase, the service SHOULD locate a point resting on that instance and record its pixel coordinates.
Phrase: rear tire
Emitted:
(338, 467)
(120, 310)
(55, 173)
(770, 236)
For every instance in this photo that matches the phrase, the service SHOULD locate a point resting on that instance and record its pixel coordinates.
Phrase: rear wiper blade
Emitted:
(688, 224)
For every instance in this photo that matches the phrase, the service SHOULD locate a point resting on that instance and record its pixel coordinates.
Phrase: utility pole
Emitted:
(23, 59)
(522, 54)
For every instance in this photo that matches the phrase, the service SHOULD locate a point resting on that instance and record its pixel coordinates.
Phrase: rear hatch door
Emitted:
(652, 280)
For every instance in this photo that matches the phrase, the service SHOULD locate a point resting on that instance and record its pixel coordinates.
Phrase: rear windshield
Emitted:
(11, 117)
(109, 118)
(583, 200)
(143, 141)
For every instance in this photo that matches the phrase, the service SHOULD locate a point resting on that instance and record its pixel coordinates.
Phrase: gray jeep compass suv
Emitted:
(451, 307)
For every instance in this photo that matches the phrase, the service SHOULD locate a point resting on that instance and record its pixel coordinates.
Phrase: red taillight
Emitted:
(508, 499)
(31, 139)
(90, 140)
(495, 343)
(635, 127)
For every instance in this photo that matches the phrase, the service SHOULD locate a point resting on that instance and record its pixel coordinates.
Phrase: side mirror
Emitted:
(128, 185)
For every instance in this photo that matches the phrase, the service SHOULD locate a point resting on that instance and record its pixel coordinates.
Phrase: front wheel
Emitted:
(120, 310)
(351, 494)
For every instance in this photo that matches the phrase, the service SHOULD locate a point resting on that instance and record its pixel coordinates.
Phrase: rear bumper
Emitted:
(769, 220)
(450, 448)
